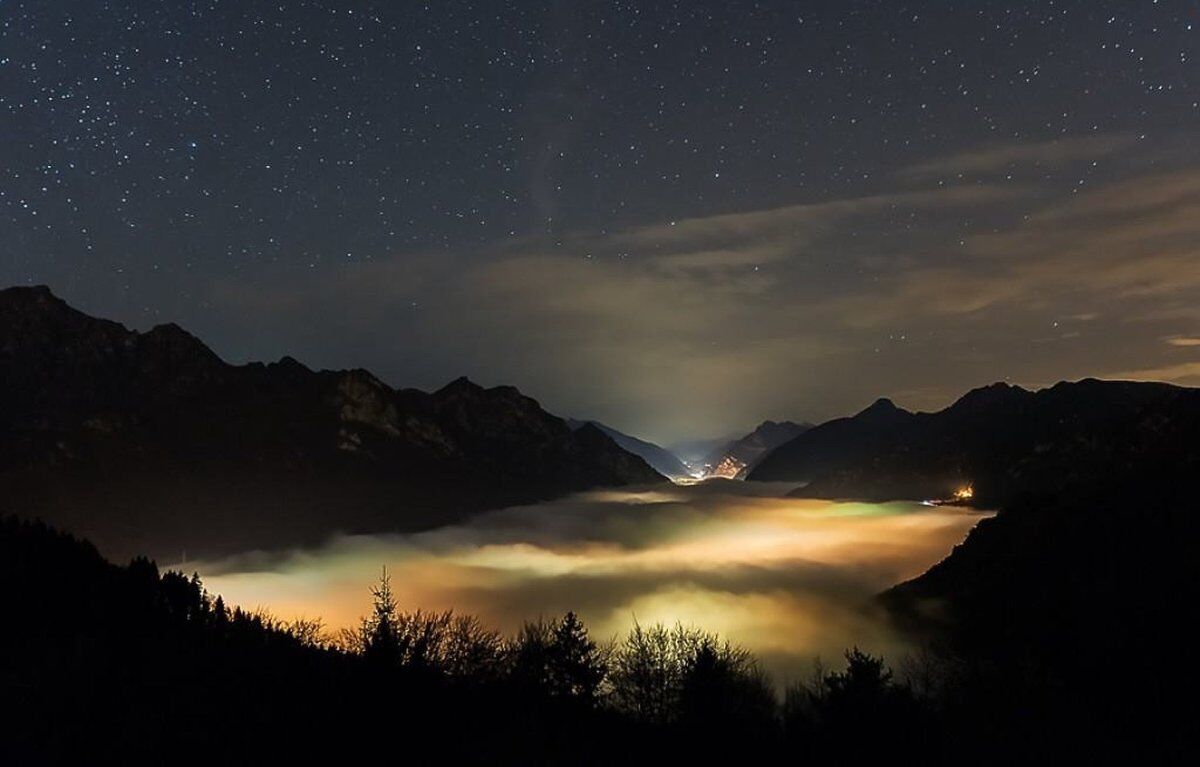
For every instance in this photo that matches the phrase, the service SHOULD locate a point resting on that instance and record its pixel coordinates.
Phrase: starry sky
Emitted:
(677, 217)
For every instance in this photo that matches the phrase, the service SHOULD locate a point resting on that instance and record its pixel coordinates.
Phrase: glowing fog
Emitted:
(788, 578)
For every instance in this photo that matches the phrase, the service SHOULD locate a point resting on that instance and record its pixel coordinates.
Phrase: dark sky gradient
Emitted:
(679, 218)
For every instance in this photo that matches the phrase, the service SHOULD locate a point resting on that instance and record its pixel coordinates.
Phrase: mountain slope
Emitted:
(1074, 596)
(660, 459)
(149, 442)
(1002, 440)
(736, 458)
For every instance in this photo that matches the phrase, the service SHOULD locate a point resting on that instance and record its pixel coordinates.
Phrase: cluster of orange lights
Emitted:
(964, 493)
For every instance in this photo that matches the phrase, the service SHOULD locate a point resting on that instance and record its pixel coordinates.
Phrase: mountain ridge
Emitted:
(1001, 440)
(130, 437)
(659, 458)
(1089, 558)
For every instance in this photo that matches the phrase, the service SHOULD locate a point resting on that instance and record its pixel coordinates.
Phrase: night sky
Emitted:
(679, 218)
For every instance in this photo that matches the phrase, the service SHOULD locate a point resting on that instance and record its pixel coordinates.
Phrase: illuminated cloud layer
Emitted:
(789, 578)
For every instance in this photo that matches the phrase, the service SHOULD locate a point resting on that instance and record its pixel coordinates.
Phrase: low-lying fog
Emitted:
(788, 578)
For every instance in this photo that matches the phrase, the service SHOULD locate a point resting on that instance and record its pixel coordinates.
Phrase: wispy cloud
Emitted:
(787, 221)
(1184, 373)
(1138, 239)
(1047, 154)
(802, 311)
(1184, 341)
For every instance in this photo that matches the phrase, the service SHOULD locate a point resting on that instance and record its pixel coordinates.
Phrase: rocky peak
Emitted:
(33, 297)
(881, 408)
(289, 368)
(30, 295)
(992, 395)
(34, 318)
(459, 387)
(171, 344)
(363, 398)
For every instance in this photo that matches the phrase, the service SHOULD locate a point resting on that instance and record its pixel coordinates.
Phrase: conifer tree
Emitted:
(381, 639)
(577, 665)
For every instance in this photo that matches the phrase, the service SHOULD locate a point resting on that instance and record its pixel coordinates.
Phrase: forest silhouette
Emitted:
(128, 665)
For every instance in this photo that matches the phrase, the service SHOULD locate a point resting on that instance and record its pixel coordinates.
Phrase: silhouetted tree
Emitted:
(864, 686)
(468, 650)
(723, 690)
(380, 635)
(668, 675)
(558, 660)
(646, 671)
(577, 665)
(827, 717)
(529, 658)
(448, 644)
(220, 613)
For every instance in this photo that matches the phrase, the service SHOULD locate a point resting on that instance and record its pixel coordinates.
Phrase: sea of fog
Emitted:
(791, 579)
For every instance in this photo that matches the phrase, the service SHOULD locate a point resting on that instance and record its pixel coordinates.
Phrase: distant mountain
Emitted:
(659, 458)
(695, 453)
(150, 443)
(1002, 441)
(736, 458)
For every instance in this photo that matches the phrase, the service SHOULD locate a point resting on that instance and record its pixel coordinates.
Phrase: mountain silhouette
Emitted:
(149, 443)
(1060, 610)
(1003, 441)
(1073, 595)
(660, 459)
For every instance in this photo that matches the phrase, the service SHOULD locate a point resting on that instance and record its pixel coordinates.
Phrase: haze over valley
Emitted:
(792, 579)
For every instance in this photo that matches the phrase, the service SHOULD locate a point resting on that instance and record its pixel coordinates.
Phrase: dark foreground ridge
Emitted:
(1075, 594)
(148, 443)
(125, 665)
(1066, 606)
(107, 664)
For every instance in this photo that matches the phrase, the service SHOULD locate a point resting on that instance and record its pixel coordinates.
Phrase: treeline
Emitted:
(668, 687)
(130, 665)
